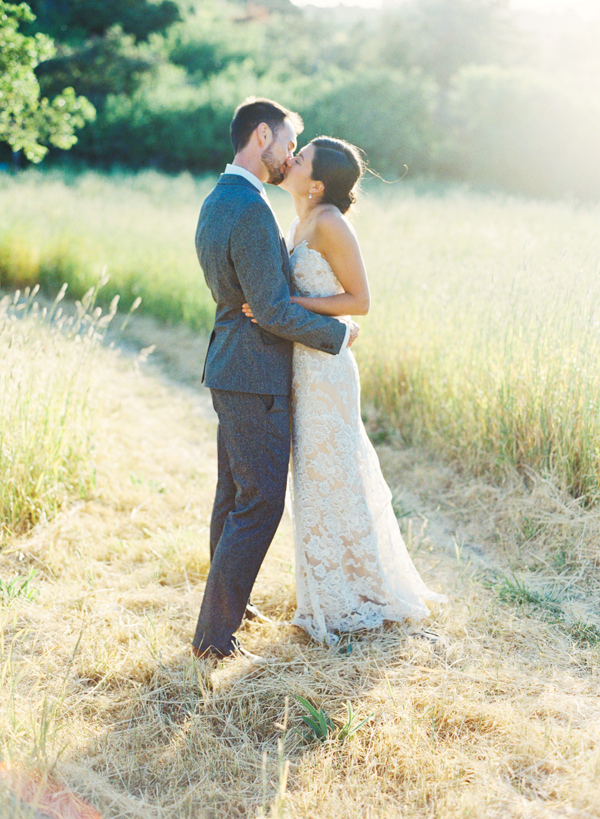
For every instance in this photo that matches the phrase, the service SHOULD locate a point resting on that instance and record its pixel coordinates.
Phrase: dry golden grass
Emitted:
(500, 719)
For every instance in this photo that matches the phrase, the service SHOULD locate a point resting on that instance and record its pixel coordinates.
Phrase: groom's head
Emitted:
(267, 130)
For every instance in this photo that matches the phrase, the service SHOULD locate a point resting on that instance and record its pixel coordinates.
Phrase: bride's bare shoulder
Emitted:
(332, 227)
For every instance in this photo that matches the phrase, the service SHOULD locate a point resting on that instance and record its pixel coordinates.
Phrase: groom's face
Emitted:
(276, 155)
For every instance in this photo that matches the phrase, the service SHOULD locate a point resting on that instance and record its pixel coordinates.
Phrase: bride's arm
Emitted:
(337, 243)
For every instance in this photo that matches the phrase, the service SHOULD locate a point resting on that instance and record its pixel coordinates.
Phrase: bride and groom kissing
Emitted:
(282, 378)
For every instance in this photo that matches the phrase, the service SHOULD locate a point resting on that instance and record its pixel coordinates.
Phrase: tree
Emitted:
(104, 49)
(388, 114)
(77, 20)
(26, 120)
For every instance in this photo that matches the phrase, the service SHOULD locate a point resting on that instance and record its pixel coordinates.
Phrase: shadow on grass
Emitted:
(210, 740)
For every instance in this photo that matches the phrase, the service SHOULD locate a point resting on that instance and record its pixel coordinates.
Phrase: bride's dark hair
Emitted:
(339, 166)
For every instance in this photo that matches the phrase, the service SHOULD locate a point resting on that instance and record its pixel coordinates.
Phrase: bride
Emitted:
(352, 568)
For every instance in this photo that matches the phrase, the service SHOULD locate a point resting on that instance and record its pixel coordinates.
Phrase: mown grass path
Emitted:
(499, 719)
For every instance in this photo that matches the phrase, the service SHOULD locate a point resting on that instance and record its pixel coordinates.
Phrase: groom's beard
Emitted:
(276, 174)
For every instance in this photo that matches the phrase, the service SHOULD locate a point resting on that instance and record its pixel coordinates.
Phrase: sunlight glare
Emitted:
(587, 8)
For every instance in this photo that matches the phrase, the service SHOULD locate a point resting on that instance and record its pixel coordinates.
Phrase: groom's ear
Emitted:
(264, 135)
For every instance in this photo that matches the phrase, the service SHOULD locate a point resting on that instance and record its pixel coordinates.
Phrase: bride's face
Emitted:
(298, 178)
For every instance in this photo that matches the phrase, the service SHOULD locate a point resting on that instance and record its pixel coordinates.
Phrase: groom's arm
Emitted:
(255, 252)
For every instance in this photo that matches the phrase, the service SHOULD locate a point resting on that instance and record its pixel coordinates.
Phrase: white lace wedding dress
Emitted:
(352, 568)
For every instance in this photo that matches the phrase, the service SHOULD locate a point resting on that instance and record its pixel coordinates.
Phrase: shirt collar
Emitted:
(239, 171)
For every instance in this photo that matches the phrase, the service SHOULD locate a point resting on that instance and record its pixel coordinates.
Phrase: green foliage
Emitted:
(18, 587)
(453, 89)
(322, 727)
(389, 115)
(76, 20)
(584, 634)
(513, 590)
(440, 36)
(103, 53)
(27, 121)
(168, 125)
(207, 42)
(112, 64)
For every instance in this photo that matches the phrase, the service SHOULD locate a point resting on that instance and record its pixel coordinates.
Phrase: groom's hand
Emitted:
(354, 331)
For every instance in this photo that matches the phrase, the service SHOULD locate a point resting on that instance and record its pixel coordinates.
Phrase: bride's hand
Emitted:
(248, 312)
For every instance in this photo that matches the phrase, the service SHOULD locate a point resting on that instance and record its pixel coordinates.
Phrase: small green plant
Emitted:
(584, 634)
(318, 722)
(18, 587)
(350, 727)
(513, 590)
(530, 528)
(322, 727)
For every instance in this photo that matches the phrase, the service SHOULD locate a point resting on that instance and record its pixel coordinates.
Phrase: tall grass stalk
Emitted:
(46, 417)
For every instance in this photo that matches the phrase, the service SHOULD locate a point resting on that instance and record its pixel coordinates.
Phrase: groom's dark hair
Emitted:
(254, 110)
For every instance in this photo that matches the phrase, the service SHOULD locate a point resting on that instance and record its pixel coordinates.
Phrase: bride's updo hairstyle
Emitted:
(339, 166)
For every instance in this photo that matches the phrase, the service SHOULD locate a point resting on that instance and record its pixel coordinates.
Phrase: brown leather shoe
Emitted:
(209, 654)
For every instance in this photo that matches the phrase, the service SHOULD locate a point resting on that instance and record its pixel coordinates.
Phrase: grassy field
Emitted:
(482, 343)
(139, 229)
(484, 337)
(100, 697)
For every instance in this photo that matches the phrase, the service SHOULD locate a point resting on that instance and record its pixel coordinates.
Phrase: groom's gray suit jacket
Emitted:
(245, 259)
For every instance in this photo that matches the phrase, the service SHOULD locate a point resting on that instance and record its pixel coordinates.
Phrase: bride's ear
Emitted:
(316, 187)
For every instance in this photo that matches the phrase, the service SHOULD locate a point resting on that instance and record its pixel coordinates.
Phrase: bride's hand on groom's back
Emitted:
(248, 312)
(354, 328)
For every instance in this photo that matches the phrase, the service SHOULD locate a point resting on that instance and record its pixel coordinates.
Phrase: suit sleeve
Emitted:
(256, 256)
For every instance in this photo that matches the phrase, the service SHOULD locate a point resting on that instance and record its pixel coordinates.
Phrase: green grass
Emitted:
(483, 340)
(545, 604)
(60, 227)
(18, 587)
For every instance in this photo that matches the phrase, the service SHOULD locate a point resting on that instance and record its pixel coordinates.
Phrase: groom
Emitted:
(249, 366)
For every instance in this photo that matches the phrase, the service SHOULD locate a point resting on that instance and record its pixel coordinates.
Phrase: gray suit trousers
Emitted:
(253, 442)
